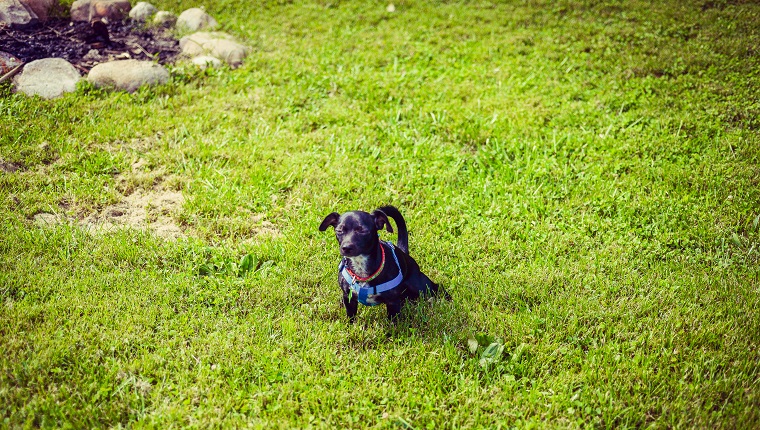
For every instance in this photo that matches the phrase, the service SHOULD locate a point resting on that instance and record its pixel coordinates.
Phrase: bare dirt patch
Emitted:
(147, 205)
(141, 176)
(151, 201)
(8, 167)
(143, 210)
(46, 219)
(262, 227)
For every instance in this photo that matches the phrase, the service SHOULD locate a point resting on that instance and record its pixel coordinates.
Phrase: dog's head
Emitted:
(356, 231)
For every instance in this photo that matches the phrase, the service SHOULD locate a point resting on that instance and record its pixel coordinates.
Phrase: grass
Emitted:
(583, 177)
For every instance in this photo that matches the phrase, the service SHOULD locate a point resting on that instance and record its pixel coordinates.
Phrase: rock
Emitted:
(219, 45)
(92, 55)
(80, 10)
(195, 19)
(13, 13)
(127, 75)
(8, 62)
(206, 61)
(87, 10)
(111, 9)
(48, 78)
(142, 11)
(164, 19)
(40, 7)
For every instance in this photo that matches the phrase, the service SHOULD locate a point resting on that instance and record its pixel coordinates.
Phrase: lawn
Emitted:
(582, 176)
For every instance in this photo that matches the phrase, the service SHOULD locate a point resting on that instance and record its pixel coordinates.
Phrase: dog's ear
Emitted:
(381, 219)
(329, 221)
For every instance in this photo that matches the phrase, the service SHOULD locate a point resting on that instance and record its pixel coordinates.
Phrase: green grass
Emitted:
(583, 177)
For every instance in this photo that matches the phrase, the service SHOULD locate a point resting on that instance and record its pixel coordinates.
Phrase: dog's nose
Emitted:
(346, 249)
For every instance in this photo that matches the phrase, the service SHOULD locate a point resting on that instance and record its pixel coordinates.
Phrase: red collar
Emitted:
(374, 275)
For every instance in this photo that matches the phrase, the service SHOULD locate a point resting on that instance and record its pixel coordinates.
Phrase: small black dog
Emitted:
(372, 271)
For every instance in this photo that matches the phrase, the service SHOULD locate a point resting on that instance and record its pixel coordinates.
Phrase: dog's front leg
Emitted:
(351, 303)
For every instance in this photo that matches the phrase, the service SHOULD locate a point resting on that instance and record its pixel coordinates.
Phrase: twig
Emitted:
(142, 49)
(14, 38)
(10, 74)
(64, 36)
(86, 71)
(54, 31)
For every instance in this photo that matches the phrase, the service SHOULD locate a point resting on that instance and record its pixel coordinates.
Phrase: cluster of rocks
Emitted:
(24, 12)
(52, 77)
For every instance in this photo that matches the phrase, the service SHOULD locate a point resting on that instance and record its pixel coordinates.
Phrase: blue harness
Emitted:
(363, 290)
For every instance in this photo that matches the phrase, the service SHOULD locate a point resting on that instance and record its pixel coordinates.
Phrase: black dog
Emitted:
(372, 271)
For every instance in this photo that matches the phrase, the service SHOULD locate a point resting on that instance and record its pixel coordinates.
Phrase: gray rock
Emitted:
(219, 45)
(40, 7)
(48, 78)
(92, 55)
(206, 61)
(165, 19)
(127, 75)
(13, 13)
(87, 10)
(142, 11)
(195, 19)
(114, 10)
(80, 10)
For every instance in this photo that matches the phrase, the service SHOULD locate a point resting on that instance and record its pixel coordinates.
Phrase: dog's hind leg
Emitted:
(424, 285)
(440, 292)
(394, 309)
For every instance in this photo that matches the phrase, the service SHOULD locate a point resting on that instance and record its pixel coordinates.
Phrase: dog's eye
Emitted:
(339, 231)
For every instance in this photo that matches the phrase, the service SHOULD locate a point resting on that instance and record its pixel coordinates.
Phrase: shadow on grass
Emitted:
(432, 320)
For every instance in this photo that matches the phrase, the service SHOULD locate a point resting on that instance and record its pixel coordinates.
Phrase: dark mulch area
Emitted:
(85, 46)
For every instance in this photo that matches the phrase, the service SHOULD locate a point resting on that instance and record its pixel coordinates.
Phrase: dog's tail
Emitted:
(403, 235)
